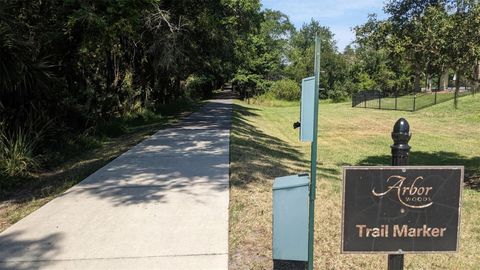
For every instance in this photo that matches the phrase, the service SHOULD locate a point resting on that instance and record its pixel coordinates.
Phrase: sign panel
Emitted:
(307, 109)
(401, 209)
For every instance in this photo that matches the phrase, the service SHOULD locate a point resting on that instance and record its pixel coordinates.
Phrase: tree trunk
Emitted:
(428, 81)
(443, 84)
(476, 77)
(457, 89)
(439, 81)
(416, 84)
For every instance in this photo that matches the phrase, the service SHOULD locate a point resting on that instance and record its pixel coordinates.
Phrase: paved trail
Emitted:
(161, 205)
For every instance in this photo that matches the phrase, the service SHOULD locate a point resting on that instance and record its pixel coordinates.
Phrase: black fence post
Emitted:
(379, 100)
(455, 100)
(436, 97)
(396, 96)
(414, 101)
(365, 99)
(400, 154)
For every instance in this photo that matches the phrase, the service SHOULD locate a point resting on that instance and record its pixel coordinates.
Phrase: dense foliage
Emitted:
(68, 67)
(73, 66)
(90, 60)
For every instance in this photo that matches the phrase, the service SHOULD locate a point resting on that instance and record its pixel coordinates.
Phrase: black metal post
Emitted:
(414, 101)
(436, 97)
(396, 96)
(455, 101)
(365, 99)
(400, 154)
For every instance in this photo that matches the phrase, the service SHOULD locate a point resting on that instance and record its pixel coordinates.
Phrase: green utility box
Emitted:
(290, 218)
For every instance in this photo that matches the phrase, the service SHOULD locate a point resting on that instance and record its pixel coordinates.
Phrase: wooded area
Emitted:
(68, 68)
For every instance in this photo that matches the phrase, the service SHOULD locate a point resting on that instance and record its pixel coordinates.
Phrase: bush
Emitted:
(285, 89)
(112, 129)
(199, 86)
(340, 91)
(364, 81)
(142, 117)
(84, 143)
(250, 85)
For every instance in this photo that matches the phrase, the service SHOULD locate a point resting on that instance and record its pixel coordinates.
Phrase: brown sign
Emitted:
(404, 209)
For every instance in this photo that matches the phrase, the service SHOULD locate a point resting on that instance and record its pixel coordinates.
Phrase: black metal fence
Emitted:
(403, 101)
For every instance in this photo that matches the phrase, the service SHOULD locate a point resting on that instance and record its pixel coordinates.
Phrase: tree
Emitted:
(262, 53)
(428, 36)
(300, 57)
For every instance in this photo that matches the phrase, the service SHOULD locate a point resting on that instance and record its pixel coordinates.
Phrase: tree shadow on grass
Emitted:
(257, 156)
(472, 165)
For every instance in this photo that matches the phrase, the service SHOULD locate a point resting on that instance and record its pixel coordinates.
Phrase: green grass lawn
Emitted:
(264, 146)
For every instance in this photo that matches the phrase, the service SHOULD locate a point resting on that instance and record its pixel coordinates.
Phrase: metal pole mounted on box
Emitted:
(313, 151)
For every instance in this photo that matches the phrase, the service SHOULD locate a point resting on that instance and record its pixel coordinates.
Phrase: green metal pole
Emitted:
(313, 151)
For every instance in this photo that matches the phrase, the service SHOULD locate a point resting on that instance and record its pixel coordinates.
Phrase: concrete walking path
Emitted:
(161, 205)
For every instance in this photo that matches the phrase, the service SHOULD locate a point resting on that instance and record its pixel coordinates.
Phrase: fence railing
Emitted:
(403, 101)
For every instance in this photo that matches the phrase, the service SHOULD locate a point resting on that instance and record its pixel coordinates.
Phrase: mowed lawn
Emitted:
(264, 146)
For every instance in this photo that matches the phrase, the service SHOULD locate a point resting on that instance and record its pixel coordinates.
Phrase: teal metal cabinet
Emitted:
(290, 218)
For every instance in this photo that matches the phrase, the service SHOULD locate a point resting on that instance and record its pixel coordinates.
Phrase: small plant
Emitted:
(17, 152)
(20, 142)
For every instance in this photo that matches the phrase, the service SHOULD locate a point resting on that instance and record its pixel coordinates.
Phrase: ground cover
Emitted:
(264, 146)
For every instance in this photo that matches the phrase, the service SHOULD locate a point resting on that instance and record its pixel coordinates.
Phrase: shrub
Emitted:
(341, 91)
(85, 142)
(112, 129)
(250, 85)
(143, 116)
(285, 89)
(199, 86)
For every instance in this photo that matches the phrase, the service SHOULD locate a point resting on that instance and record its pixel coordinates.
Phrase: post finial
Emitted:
(400, 148)
(401, 132)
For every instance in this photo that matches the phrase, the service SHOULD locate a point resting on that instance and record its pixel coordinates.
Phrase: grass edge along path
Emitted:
(264, 146)
(47, 185)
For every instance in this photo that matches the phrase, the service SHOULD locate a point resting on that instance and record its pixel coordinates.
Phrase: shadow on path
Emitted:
(38, 250)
